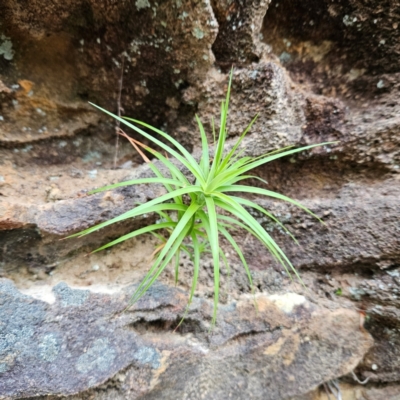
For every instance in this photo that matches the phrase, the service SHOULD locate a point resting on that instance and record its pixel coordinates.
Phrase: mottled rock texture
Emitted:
(278, 353)
(313, 71)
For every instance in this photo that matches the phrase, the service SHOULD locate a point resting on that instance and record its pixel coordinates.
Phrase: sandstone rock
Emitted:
(238, 32)
(351, 392)
(314, 72)
(39, 230)
(288, 348)
(360, 228)
(84, 48)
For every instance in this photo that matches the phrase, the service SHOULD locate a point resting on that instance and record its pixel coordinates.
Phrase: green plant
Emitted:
(202, 206)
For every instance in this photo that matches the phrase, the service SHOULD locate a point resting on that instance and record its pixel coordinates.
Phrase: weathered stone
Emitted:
(358, 392)
(288, 348)
(260, 89)
(38, 230)
(314, 72)
(361, 225)
(238, 38)
(84, 47)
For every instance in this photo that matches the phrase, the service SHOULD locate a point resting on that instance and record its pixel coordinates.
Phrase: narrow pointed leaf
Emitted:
(248, 219)
(187, 159)
(143, 209)
(177, 235)
(205, 160)
(138, 232)
(269, 193)
(270, 158)
(251, 204)
(232, 152)
(213, 232)
(235, 246)
(142, 181)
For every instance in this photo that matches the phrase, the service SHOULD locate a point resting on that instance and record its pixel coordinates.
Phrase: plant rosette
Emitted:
(200, 207)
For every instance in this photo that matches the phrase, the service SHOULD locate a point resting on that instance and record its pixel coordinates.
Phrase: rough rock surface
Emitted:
(40, 229)
(313, 72)
(278, 353)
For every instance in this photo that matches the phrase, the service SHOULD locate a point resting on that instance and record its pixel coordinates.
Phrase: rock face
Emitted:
(281, 352)
(313, 72)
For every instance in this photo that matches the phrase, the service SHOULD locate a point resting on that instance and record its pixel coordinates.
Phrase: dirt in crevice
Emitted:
(109, 271)
(151, 328)
(61, 168)
(113, 270)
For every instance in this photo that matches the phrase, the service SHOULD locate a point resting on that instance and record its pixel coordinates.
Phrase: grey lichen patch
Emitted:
(285, 57)
(197, 33)
(7, 350)
(8, 288)
(17, 318)
(49, 347)
(70, 297)
(4, 367)
(6, 48)
(140, 4)
(100, 356)
(12, 343)
(148, 355)
(6, 341)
